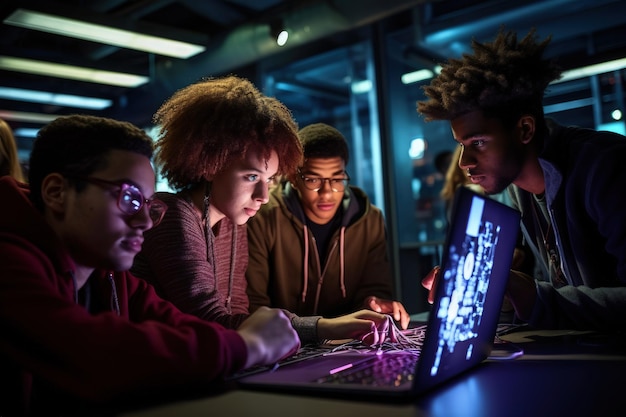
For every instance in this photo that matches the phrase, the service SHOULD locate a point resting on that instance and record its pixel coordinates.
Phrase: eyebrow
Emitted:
(470, 136)
(249, 168)
(312, 172)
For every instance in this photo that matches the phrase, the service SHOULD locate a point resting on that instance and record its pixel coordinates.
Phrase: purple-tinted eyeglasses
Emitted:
(130, 199)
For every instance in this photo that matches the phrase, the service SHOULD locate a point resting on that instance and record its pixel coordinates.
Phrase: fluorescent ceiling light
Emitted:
(582, 72)
(26, 132)
(419, 75)
(102, 34)
(20, 116)
(590, 70)
(415, 76)
(75, 73)
(54, 98)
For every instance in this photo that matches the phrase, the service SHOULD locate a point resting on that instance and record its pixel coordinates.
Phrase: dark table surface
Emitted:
(562, 373)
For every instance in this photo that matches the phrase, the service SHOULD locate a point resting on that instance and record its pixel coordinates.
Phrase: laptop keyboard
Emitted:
(408, 343)
(385, 369)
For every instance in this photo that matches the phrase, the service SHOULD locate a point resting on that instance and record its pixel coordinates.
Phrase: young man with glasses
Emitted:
(79, 333)
(319, 245)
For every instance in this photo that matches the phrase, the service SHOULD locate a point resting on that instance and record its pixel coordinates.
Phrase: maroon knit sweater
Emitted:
(178, 260)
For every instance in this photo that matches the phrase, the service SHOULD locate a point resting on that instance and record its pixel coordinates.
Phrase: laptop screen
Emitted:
(474, 271)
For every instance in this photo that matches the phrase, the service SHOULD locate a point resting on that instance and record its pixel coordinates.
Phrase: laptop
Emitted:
(461, 326)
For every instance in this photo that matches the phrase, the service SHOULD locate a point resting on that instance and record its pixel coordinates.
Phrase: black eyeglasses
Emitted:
(316, 183)
(130, 199)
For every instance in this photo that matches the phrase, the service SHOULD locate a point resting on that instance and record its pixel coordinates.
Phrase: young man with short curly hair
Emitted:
(567, 182)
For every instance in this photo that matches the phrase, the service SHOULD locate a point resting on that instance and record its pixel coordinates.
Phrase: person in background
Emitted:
(79, 333)
(9, 161)
(455, 177)
(567, 182)
(221, 143)
(442, 161)
(319, 246)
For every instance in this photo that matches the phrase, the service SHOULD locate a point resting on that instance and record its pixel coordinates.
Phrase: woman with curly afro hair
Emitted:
(567, 182)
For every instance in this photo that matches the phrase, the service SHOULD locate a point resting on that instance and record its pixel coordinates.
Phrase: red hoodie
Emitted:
(55, 353)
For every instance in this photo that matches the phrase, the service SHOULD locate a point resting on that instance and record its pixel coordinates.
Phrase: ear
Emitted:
(54, 192)
(526, 125)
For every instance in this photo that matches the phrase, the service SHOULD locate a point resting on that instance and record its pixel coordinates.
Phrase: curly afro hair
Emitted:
(502, 77)
(207, 126)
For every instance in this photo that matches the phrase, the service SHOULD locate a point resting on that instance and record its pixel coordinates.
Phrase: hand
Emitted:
(430, 283)
(521, 291)
(394, 308)
(269, 336)
(370, 327)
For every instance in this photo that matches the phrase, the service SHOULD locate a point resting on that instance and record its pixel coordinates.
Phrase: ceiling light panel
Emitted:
(56, 99)
(20, 116)
(590, 70)
(93, 75)
(102, 34)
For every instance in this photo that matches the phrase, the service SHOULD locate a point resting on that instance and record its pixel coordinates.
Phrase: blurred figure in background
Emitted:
(455, 177)
(9, 161)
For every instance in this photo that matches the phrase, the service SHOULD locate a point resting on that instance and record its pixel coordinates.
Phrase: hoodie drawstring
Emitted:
(342, 239)
(305, 267)
(231, 273)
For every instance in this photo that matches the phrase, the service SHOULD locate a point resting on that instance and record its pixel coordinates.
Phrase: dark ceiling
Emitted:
(236, 33)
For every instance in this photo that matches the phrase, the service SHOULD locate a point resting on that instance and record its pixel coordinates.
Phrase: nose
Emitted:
(466, 161)
(142, 218)
(261, 192)
(326, 187)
